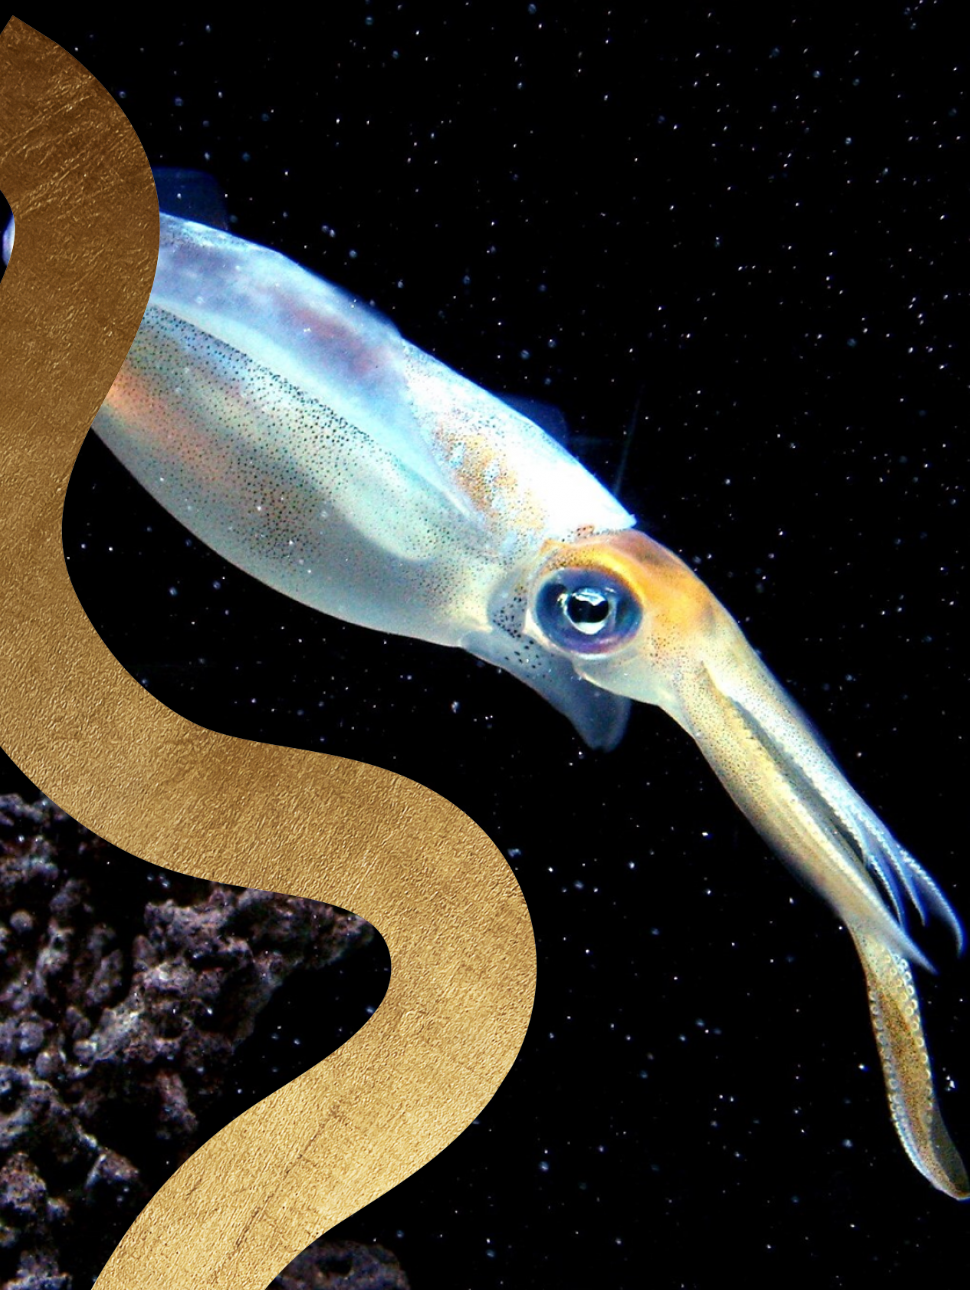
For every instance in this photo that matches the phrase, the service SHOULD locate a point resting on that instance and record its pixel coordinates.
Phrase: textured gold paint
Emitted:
(448, 906)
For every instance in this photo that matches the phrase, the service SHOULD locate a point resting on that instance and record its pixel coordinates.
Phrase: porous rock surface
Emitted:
(125, 992)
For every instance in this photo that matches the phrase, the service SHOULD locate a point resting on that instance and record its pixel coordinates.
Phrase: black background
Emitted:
(745, 239)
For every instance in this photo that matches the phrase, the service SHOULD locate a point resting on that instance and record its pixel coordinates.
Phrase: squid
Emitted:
(293, 430)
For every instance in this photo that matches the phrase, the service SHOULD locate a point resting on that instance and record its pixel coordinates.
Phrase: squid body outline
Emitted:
(298, 434)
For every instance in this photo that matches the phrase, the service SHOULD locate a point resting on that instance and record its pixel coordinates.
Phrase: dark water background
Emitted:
(747, 239)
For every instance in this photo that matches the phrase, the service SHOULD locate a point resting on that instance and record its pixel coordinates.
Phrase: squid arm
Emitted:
(906, 1066)
(299, 435)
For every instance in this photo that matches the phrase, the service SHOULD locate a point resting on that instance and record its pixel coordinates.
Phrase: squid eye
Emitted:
(586, 611)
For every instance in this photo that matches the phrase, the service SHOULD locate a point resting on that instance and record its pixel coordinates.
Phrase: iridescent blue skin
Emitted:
(302, 438)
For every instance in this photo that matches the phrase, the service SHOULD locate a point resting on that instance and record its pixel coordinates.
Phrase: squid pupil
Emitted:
(587, 610)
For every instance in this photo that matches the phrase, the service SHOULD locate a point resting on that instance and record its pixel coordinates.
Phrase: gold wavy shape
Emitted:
(308, 824)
